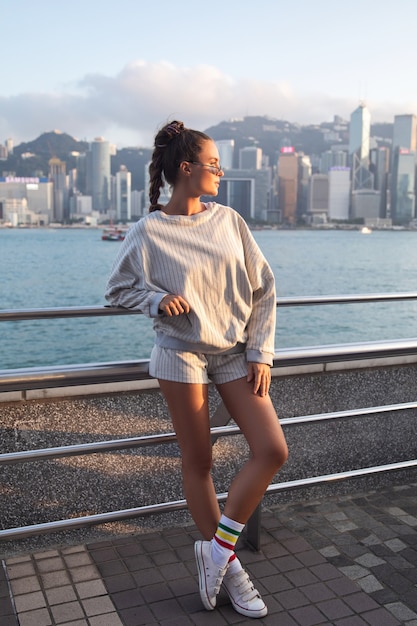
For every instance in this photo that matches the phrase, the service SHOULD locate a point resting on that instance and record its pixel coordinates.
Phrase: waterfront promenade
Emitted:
(347, 560)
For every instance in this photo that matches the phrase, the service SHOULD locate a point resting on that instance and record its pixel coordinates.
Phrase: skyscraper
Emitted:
(100, 175)
(382, 155)
(123, 194)
(405, 132)
(359, 133)
(226, 148)
(58, 176)
(404, 151)
(288, 184)
(403, 186)
(250, 158)
(339, 193)
(359, 145)
(318, 197)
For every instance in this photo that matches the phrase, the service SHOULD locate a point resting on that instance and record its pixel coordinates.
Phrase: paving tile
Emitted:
(79, 574)
(25, 585)
(20, 570)
(401, 612)
(276, 584)
(369, 584)
(108, 553)
(91, 589)
(380, 617)
(50, 565)
(60, 595)
(166, 609)
(360, 602)
(318, 592)
(147, 577)
(131, 549)
(67, 611)
(307, 616)
(118, 583)
(78, 559)
(39, 617)
(311, 557)
(369, 560)
(301, 577)
(30, 601)
(334, 609)
(98, 606)
(325, 572)
(55, 579)
(137, 616)
(293, 598)
(157, 593)
(128, 598)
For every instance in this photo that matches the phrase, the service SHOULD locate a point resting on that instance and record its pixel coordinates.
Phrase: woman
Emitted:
(197, 271)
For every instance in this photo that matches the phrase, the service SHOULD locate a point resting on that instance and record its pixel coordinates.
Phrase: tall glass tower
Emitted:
(359, 143)
(404, 153)
(100, 175)
(123, 195)
(405, 132)
(403, 188)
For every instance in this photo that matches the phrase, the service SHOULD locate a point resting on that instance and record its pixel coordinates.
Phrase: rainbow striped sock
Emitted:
(224, 540)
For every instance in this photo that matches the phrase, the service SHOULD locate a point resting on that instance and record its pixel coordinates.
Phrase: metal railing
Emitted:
(8, 315)
(253, 526)
(99, 373)
(110, 372)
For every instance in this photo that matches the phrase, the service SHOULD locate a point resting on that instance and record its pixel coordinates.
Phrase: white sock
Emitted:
(224, 540)
(234, 566)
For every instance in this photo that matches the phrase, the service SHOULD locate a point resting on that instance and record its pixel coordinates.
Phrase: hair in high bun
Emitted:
(173, 144)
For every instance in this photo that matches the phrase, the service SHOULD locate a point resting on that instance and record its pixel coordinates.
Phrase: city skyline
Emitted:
(99, 71)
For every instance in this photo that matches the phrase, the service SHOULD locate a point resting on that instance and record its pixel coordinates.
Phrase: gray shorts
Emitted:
(195, 367)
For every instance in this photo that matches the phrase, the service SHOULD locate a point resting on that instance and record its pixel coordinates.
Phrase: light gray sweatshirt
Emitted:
(212, 260)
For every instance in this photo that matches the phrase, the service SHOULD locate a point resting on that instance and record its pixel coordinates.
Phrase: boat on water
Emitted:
(366, 231)
(114, 233)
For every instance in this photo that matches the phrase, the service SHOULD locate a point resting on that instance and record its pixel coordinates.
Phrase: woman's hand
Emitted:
(260, 374)
(174, 305)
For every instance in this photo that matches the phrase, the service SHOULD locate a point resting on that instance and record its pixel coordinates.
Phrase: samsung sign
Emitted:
(27, 180)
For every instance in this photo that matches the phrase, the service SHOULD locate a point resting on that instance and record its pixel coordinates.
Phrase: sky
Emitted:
(121, 70)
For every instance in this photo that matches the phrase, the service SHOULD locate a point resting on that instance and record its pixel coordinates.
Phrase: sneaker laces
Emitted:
(244, 585)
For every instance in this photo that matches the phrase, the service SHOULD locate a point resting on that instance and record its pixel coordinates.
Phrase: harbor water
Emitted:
(42, 268)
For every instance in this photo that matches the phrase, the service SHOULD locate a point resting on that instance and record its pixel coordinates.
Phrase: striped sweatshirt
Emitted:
(212, 260)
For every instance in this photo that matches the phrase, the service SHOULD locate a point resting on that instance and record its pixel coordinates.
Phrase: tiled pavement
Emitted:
(346, 560)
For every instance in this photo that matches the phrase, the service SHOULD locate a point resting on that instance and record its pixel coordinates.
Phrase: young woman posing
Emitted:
(197, 271)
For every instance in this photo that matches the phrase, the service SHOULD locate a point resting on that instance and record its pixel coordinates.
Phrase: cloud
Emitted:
(129, 107)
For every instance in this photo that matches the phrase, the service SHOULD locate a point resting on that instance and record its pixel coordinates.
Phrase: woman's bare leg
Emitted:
(258, 421)
(188, 407)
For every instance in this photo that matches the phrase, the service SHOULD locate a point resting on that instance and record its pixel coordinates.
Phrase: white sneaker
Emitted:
(210, 575)
(245, 599)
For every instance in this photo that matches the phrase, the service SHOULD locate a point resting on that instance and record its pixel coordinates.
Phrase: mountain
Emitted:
(52, 144)
(46, 146)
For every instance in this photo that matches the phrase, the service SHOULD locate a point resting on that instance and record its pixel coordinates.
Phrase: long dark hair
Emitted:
(173, 144)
